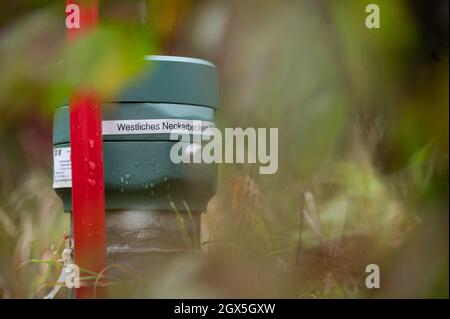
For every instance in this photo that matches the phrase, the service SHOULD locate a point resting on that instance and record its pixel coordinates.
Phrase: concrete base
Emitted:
(143, 240)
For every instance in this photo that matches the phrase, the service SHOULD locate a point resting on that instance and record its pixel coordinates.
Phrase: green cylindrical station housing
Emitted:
(139, 174)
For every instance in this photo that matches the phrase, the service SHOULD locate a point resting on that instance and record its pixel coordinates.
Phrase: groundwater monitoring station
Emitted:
(152, 205)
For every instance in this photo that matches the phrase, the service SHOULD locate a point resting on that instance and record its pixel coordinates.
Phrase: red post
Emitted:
(88, 194)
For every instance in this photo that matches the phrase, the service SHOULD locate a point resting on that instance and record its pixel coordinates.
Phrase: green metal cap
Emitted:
(139, 173)
(171, 79)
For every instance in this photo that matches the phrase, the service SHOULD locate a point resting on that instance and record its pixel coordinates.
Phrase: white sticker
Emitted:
(62, 167)
(155, 126)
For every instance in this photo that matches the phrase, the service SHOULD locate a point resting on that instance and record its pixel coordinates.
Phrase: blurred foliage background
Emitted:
(363, 142)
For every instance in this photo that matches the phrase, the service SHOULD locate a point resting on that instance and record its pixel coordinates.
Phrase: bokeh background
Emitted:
(363, 142)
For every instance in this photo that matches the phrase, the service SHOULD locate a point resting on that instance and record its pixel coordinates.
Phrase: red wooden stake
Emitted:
(88, 194)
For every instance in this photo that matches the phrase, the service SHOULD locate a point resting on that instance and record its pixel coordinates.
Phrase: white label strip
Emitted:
(62, 168)
(155, 126)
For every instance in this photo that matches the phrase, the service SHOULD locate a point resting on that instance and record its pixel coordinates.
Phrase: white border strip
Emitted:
(177, 59)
